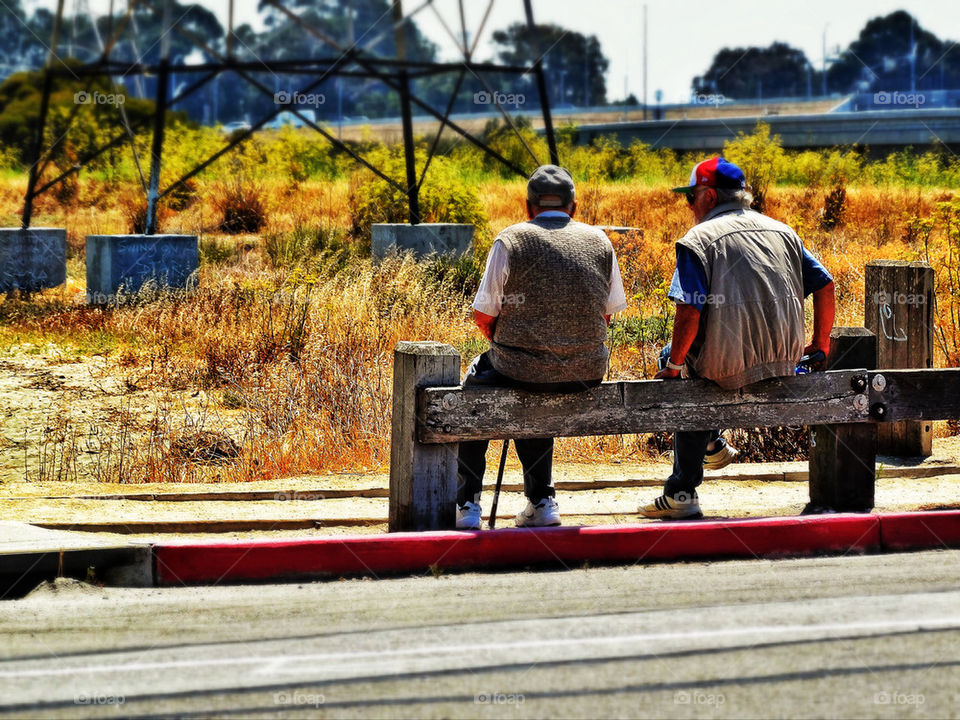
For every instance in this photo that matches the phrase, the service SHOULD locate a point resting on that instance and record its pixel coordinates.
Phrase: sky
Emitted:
(682, 37)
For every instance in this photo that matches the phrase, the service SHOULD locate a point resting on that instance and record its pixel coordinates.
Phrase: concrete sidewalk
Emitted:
(30, 554)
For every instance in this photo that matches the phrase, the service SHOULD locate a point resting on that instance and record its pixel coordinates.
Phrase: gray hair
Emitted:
(743, 198)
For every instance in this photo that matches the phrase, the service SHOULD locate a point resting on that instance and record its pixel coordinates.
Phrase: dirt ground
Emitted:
(60, 416)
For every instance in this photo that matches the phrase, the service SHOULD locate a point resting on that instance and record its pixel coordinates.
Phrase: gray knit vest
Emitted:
(551, 327)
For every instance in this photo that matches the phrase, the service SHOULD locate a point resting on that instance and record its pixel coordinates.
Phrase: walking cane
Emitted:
(496, 490)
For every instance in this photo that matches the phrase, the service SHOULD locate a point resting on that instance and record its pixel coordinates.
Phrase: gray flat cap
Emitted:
(550, 180)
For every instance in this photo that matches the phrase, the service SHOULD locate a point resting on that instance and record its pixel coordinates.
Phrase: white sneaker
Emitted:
(468, 516)
(722, 455)
(545, 513)
(682, 506)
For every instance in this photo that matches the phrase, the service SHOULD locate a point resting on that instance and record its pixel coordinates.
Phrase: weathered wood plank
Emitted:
(923, 395)
(453, 414)
(899, 308)
(423, 478)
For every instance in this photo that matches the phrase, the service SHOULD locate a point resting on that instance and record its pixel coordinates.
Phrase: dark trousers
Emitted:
(536, 456)
(689, 449)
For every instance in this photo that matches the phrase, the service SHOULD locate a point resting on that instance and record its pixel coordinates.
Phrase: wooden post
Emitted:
(423, 478)
(843, 457)
(898, 308)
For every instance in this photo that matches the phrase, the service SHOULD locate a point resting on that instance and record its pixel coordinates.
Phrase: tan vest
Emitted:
(751, 326)
(551, 327)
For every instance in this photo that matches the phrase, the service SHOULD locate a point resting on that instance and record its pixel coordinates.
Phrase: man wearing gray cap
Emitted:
(544, 303)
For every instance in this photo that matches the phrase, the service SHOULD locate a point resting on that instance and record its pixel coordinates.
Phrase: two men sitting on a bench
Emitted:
(551, 285)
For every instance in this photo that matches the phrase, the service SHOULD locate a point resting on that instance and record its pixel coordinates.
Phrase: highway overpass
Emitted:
(881, 131)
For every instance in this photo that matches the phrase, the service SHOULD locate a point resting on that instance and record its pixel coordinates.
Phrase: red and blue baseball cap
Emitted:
(716, 173)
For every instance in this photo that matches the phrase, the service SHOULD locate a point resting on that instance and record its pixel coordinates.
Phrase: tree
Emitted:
(574, 63)
(776, 71)
(895, 53)
(366, 23)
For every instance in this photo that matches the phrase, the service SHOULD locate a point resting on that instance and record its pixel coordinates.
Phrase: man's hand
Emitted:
(667, 374)
(811, 349)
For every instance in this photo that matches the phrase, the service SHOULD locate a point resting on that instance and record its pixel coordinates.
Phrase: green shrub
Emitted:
(515, 146)
(302, 154)
(444, 197)
(761, 157)
(312, 248)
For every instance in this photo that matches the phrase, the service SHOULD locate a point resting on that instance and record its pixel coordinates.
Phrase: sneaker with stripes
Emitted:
(682, 506)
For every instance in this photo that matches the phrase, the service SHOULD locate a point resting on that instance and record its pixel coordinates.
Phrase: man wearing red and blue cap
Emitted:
(740, 283)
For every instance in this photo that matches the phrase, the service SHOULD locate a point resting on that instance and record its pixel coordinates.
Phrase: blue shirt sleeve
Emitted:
(815, 275)
(689, 285)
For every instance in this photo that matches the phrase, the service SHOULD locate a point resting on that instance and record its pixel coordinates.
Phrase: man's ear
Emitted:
(530, 213)
(713, 196)
(573, 208)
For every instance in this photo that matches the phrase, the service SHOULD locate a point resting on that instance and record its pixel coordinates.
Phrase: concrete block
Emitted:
(128, 262)
(423, 239)
(32, 259)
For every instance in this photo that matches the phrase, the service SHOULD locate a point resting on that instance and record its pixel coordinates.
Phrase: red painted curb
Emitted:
(191, 563)
(921, 530)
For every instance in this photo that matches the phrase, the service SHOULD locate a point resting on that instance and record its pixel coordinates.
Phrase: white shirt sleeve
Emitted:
(617, 300)
(489, 299)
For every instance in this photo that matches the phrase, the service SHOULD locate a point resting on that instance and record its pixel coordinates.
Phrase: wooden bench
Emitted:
(844, 406)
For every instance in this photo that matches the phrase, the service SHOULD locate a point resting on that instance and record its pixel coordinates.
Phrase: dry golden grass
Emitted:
(296, 362)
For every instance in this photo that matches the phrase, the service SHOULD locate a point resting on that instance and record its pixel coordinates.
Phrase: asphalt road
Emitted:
(856, 637)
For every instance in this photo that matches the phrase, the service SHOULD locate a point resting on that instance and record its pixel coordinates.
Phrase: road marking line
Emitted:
(274, 662)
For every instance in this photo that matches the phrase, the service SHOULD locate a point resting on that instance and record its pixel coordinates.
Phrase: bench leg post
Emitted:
(843, 467)
(423, 478)
(843, 457)
(899, 308)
